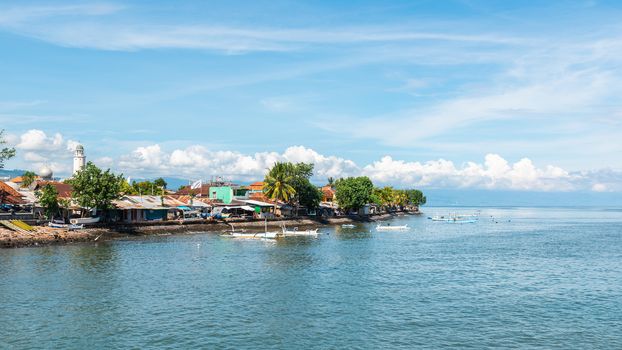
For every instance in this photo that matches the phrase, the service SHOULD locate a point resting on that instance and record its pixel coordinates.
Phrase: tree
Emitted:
(278, 183)
(352, 193)
(308, 195)
(6, 153)
(28, 178)
(147, 188)
(160, 182)
(331, 181)
(415, 197)
(94, 188)
(48, 199)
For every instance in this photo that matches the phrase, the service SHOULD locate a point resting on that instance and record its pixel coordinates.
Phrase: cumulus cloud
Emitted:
(494, 173)
(36, 148)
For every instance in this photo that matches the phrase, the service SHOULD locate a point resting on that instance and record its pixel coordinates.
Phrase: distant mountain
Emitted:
(498, 198)
(11, 173)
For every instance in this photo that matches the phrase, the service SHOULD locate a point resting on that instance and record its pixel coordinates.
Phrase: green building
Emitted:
(223, 193)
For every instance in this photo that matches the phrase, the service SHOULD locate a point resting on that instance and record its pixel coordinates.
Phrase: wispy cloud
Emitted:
(104, 32)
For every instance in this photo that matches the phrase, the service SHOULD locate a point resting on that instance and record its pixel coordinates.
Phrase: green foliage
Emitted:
(160, 182)
(308, 195)
(298, 177)
(155, 188)
(415, 197)
(352, 193)
(331, 181)
(28, 178)
(147, 188)
(278, 183)
(94, 188)
(48, 199)
(5, 153)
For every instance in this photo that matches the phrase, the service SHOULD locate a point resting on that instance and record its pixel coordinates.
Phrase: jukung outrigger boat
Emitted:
(391, 228)
(298, 233)
(456, 218)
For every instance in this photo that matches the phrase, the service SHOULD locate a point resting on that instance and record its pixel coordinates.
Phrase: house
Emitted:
(328, 194)
(133, 209)
(222, 193)
(9, 195)
(64, 190)
(214, 191)
(256, 187)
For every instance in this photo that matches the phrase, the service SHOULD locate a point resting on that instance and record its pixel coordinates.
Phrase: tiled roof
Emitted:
(64, 190)
(256, 186)
(186, 190)
(9, 195)
(17, 180)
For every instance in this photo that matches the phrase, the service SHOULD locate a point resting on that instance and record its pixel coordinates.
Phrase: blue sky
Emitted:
(477, 94)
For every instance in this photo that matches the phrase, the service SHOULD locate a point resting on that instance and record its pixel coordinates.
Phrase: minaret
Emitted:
(78, 159)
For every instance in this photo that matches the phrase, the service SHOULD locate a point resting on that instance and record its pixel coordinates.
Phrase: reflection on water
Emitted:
(542, 278)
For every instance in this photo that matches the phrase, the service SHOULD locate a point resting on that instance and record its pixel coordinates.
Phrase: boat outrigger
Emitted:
(80, 221)
(298, 233)
(251, 235)
(391, 228)
(458, 219)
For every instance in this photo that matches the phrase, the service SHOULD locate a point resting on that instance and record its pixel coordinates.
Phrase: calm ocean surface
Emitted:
(532, 278)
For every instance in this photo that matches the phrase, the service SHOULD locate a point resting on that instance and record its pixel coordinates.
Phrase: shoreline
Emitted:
(45, 236)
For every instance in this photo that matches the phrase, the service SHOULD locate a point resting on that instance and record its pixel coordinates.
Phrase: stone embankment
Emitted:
(46, 235)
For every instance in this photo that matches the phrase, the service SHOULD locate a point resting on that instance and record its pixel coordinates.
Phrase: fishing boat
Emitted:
(348, 226)
(251, 235)
(70, 227)
(297, 233)
(79, 221)
(391, 228)
(458, 219)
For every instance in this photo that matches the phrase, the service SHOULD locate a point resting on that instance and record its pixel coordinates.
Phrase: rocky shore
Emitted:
(46, 235)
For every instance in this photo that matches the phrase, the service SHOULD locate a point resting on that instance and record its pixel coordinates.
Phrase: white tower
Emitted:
(79, 160)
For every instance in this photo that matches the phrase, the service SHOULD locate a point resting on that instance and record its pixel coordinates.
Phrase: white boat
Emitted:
(79, 221)
(70, 227)
(248, 235)
(458, 219)
(348, 226)
(252, 235)
(296, 233)
(391, 228)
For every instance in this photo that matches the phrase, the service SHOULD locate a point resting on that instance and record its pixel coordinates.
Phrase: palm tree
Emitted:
(28, 178)
(331, 181)
(278, 184)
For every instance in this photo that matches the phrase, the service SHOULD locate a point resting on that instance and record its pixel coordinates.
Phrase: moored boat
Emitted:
(80, 221)
(391, 228)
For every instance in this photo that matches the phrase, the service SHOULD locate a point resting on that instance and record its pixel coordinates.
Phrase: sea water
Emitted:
(545, 278)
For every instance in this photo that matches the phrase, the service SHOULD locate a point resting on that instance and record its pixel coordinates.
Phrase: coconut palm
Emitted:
(278, 184)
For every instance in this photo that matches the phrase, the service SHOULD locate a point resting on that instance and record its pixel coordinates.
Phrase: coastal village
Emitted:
(28, 212)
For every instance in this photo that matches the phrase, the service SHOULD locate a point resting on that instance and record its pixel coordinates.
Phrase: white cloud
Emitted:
(37, 140)
(495, 173)
(36, 148)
